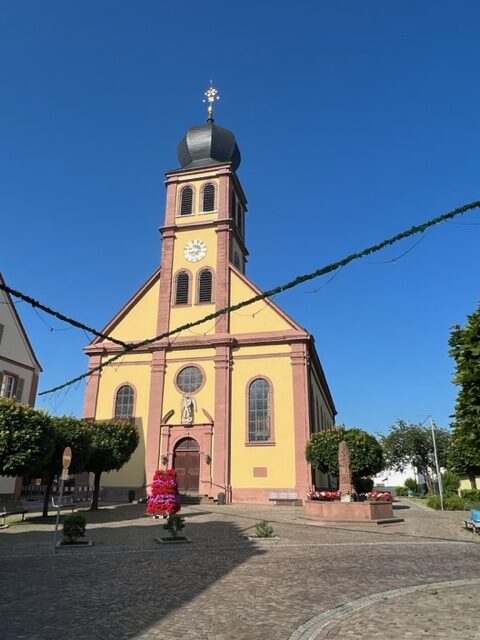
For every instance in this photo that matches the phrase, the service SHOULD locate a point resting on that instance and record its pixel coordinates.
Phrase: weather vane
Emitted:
(212, 95)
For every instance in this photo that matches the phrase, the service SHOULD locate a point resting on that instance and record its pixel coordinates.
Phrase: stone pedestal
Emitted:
(351, 511)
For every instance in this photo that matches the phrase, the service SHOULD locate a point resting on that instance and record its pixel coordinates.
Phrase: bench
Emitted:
(474, 523)
(11, 508)
(285, 498)
(67, 503)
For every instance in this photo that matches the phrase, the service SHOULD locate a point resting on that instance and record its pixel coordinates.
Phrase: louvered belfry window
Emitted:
(124, 403)
(181, 291)
(186, 204)
(259, 411)
(209, 197)
(205, 286)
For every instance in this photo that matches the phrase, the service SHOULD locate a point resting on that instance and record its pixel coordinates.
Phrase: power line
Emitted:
(280, 289)
(38, 305)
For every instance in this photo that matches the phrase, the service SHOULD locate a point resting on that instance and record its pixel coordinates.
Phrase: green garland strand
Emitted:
(38, 305)
(421, 228)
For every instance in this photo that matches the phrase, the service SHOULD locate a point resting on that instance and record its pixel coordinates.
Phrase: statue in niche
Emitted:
(188, 407)
(345, 473)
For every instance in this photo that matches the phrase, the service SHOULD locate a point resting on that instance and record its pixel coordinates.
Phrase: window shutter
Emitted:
(181, 294)
(205, 286)
(1, 331)
(186, 205)
(209, 197)
(19, 389)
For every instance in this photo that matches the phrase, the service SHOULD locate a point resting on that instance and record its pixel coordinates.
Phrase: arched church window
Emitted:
(259, 411)
(124, 402)
(182, 288)
(205, 281)
(186, 201)
(208, 197)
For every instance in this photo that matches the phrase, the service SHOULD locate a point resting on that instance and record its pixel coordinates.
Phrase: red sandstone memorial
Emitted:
(347, 509)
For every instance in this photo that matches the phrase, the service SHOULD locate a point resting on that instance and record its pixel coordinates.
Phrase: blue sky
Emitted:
(355, 121)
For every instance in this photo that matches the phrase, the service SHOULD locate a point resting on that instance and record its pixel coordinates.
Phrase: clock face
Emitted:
(195, 250)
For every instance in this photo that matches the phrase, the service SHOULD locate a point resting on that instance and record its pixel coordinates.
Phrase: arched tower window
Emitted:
(205, 281)
(124, 402)
(186, 201)
(208, 202)
(259, 411)
(182, 287)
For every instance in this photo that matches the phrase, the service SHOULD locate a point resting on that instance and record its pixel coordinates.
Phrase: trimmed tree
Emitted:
(465, 349)
(112, 445)
(25, 437)
(366, 456)
(67, 431)
(412, 444)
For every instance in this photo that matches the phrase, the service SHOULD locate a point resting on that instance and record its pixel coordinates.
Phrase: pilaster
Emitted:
(91, 395)
(157, 381)
(221, 437)
(299, 359)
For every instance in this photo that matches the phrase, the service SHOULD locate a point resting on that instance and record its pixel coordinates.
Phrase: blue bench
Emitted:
(474, 522)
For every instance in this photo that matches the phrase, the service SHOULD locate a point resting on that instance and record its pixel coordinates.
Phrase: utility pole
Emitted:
(439, 476)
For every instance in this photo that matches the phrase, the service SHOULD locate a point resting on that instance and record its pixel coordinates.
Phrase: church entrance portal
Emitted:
(186, 461)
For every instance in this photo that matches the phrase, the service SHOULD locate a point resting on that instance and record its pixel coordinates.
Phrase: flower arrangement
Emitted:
(380, 495)
(164, 499)
(324, 495)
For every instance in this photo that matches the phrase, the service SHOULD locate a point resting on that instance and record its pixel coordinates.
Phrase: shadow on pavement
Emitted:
(112, 590)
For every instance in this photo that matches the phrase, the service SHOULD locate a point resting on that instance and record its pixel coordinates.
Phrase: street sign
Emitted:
(67, 457)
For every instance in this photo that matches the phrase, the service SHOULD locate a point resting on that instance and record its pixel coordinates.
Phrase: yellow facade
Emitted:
(230, 403)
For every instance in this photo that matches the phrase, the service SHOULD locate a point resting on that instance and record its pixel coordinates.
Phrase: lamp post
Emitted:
(439, 476)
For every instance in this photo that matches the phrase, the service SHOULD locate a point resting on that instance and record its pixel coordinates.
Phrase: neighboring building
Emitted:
(230, 403)
(19, 367)
(389, 478)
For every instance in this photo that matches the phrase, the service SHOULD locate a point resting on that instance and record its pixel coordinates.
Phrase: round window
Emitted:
(190, 379)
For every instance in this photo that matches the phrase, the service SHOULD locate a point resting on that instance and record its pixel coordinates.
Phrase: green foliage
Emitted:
(74, 527)
(365, 452)
(434, 503)
(465, 349)
(411, 483)
(412, 444)
(25, 437)
(263, 529)
(450, 503)
(363, 485)
(174, 524)
(472, 495)
(112, 445)
(450, 483)
(66, 431)
(401, 491)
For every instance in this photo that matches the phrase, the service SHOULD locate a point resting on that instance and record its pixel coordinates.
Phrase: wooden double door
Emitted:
(186, 462)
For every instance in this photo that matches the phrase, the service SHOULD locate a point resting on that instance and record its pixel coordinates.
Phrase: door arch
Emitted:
(186, 462)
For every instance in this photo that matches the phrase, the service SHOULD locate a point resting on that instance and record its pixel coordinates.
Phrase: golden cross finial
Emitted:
(212, 95)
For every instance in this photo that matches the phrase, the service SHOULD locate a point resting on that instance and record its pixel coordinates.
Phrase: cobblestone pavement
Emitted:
(224, 587)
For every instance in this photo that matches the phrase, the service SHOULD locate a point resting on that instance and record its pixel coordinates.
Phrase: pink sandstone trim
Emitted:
(91, 395)
(221, 452)
(155, 411)
(301, 396)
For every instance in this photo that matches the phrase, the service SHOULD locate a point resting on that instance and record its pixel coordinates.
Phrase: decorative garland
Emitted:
(284, 287)
(36, 304)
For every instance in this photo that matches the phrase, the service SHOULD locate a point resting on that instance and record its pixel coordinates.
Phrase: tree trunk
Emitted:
(46, 497)
(96, 491)
(473, 481)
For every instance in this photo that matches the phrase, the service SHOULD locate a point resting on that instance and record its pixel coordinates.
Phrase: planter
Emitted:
(79, 544)
(170, 540)
(336, 511)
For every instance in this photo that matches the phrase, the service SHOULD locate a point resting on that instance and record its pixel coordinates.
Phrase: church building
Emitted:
(232, 402)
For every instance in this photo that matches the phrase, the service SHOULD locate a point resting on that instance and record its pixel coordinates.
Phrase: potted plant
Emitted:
(74, 529)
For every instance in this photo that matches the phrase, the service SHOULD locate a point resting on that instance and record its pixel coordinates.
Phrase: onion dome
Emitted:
(206, 145)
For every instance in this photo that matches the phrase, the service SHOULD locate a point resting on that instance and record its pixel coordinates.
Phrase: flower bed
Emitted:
(380, 495)
(324, 495)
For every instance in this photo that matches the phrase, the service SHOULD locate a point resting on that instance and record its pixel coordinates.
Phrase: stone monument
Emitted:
(346, 487)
